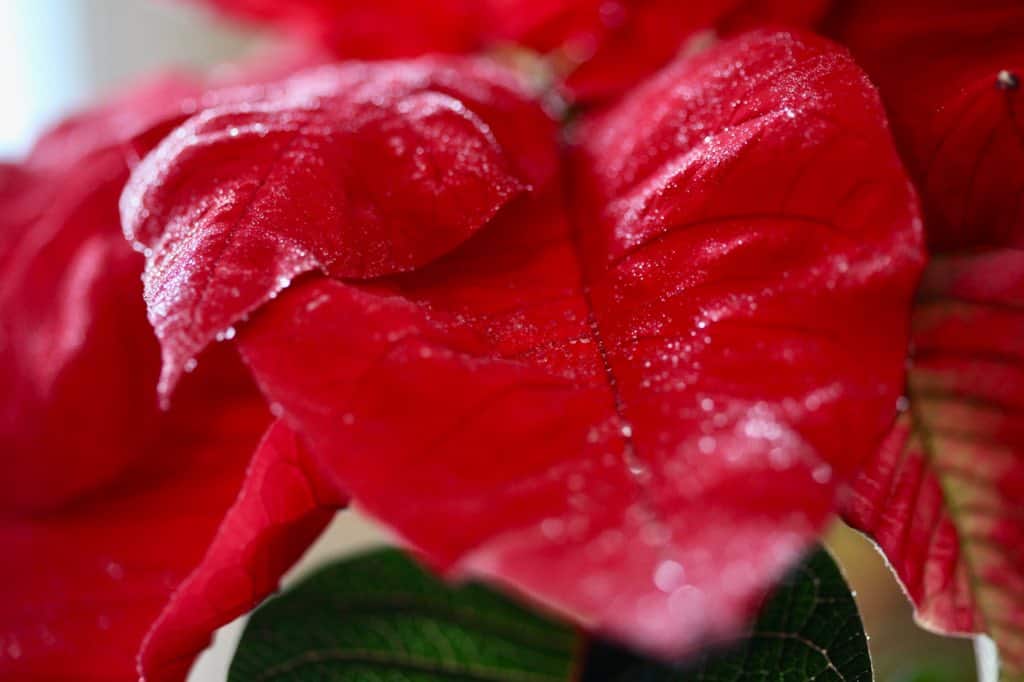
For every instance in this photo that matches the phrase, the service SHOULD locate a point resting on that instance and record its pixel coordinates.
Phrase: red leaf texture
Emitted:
(942, 497)
(950, 74)
(631, 394)
(354, 170)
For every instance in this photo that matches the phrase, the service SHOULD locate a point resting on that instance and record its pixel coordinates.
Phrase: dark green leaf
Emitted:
(808, 630)
(381, 617)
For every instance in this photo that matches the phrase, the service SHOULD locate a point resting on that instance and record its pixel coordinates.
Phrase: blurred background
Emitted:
(60, 55)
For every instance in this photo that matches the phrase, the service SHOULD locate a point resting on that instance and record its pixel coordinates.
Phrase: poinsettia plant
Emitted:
(610, 305)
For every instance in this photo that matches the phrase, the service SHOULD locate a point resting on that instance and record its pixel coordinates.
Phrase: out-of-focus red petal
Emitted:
(193, 535)
(372, 29)
(629, 40)
(608, 46)
(631, 396)
(71, 316)
(116, 515)
(356, 170)
(950, 73)
(278, 512)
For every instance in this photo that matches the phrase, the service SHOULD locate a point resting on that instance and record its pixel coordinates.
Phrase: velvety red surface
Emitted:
(631, 395)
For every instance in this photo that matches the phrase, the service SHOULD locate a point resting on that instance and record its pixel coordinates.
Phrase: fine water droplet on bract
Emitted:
(669, 575)
(1007, 80)
(552, 528)
(115, 570)
(707, 444)
(902, 404)
(190, 365)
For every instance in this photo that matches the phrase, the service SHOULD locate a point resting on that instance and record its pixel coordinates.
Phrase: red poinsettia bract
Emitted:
(623, 376)
(123, 522)
(603, 47)
(627, 367)
(942, 498)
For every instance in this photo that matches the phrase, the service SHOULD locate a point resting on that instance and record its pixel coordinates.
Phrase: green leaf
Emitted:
(809, 629)
(381, 617)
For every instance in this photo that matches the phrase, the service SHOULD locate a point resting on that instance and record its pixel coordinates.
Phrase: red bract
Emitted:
(612, 46)
(121, 518)
(950, 74)
(358, 171)
(942, 498)
(606, 46)
(372, 29)
(632, 393)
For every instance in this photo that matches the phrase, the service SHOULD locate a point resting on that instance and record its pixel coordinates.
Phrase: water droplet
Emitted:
(706, 444)
(1007, 80)
(115, 570)
(626, 430)
(707, 404)
(190, 365)
(276, 409)
(552, 528)
(233, 131)
(226, 335)
(822, 473)
(655, 534)
(668, 575)
(902, 404)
